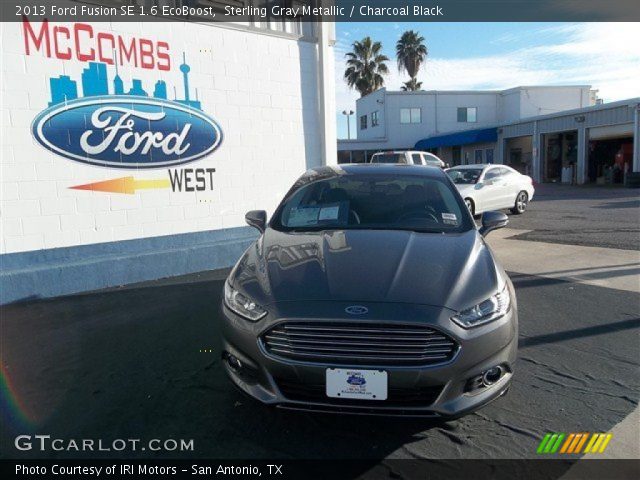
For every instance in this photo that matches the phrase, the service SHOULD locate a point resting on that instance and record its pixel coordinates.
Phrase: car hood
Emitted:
(466, 188)
(446, 270)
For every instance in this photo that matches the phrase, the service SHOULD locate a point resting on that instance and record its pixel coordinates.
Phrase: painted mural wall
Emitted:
(123, 131)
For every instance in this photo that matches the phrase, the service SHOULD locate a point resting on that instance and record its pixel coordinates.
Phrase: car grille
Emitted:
(359, 343)
(397, 397)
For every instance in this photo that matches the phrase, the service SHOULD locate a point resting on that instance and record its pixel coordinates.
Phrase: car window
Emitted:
(365, 201)
(417, 159)
(464, 175)
(492, 174)
(430, 159)
(388, 158)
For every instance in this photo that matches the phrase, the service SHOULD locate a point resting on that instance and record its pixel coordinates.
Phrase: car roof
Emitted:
(475, 165)
(387, 152)
(381, 169)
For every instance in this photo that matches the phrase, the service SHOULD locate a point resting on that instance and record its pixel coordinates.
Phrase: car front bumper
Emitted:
(440, 390)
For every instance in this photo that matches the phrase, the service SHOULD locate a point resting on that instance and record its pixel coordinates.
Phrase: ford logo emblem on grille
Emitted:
(356, 310)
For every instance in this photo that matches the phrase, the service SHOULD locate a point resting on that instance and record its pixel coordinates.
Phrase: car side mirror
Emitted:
(493, 221)
(257, 219)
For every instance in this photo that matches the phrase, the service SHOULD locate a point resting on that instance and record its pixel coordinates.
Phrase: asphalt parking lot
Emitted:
(583, 215)
(134, 362)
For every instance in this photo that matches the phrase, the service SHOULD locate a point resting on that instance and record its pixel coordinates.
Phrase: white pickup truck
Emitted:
(409, 157)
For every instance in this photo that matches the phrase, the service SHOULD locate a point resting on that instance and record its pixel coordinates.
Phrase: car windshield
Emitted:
(362, 201)
(464, 175)
(388, 158)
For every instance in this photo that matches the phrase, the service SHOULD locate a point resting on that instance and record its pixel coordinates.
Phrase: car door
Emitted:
(492, 190)
(501, 190)
(512, 186)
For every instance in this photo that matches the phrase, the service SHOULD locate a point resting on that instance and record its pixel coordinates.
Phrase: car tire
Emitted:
(520, 205)
(470, 206)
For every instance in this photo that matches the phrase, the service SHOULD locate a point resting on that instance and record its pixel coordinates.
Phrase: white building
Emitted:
(555, 133)
(83, 209)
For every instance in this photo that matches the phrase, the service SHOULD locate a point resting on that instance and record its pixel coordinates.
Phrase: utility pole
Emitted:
(348, 114)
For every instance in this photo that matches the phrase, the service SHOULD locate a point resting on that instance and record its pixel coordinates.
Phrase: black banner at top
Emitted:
(251, 11)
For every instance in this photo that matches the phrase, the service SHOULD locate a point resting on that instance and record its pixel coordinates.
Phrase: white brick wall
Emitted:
(250, 83)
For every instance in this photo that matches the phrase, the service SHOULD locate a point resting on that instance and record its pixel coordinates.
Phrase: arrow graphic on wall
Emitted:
(127, 185)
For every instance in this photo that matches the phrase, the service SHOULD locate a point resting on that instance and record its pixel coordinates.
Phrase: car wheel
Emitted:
(469, 203)
(521, 203)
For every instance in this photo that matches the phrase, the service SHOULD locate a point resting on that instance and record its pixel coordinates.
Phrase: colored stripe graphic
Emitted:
(605, 443)
(572, 443)
(127, 185)
(555, 447)
(551, 442)
(568, 442)
(596, 445)
(594, 437)
(543, 443)
(581, 443)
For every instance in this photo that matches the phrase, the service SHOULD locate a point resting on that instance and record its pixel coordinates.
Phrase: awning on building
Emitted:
(459, 138)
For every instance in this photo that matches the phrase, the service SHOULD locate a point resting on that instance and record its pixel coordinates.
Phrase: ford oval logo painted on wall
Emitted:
(127, 131)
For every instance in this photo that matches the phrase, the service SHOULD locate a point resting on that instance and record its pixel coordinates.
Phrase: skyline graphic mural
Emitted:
(95, 82)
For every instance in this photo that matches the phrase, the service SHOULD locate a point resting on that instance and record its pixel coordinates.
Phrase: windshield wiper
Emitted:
(368, 227)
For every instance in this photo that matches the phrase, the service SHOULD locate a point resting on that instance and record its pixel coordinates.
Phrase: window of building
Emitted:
(410, 115)
(374, 119)
(467, 114)
(478, 156)
(363, 122)
(344, 156)
(488, 155)
(456, 155)
(358, 156)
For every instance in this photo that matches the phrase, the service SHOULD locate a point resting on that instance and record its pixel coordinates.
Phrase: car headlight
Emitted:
(241, 304)
(491, 309)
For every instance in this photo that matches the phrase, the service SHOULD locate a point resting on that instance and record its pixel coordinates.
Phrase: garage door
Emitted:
(613, 131)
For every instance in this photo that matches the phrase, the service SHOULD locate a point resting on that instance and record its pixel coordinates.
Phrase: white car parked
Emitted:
(492, 187)
(409, 157)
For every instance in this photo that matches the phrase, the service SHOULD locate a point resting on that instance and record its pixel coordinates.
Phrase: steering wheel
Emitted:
(356, 217)
(417, 214)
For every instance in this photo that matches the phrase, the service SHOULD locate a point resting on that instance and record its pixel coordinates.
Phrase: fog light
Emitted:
(492, 375)
(232, 361)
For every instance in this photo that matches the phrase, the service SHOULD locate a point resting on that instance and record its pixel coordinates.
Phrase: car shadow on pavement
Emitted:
(630, 324)
(615, 205)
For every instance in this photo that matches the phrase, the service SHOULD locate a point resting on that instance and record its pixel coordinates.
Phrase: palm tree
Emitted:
(411, 86)
(411, 53)
(365, 66)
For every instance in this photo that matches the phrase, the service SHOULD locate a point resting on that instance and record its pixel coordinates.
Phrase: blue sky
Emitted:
(503, 55)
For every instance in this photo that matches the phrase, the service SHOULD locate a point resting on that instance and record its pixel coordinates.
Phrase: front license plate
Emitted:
(359, 384)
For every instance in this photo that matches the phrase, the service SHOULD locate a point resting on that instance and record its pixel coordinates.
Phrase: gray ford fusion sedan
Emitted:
(371, 291)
